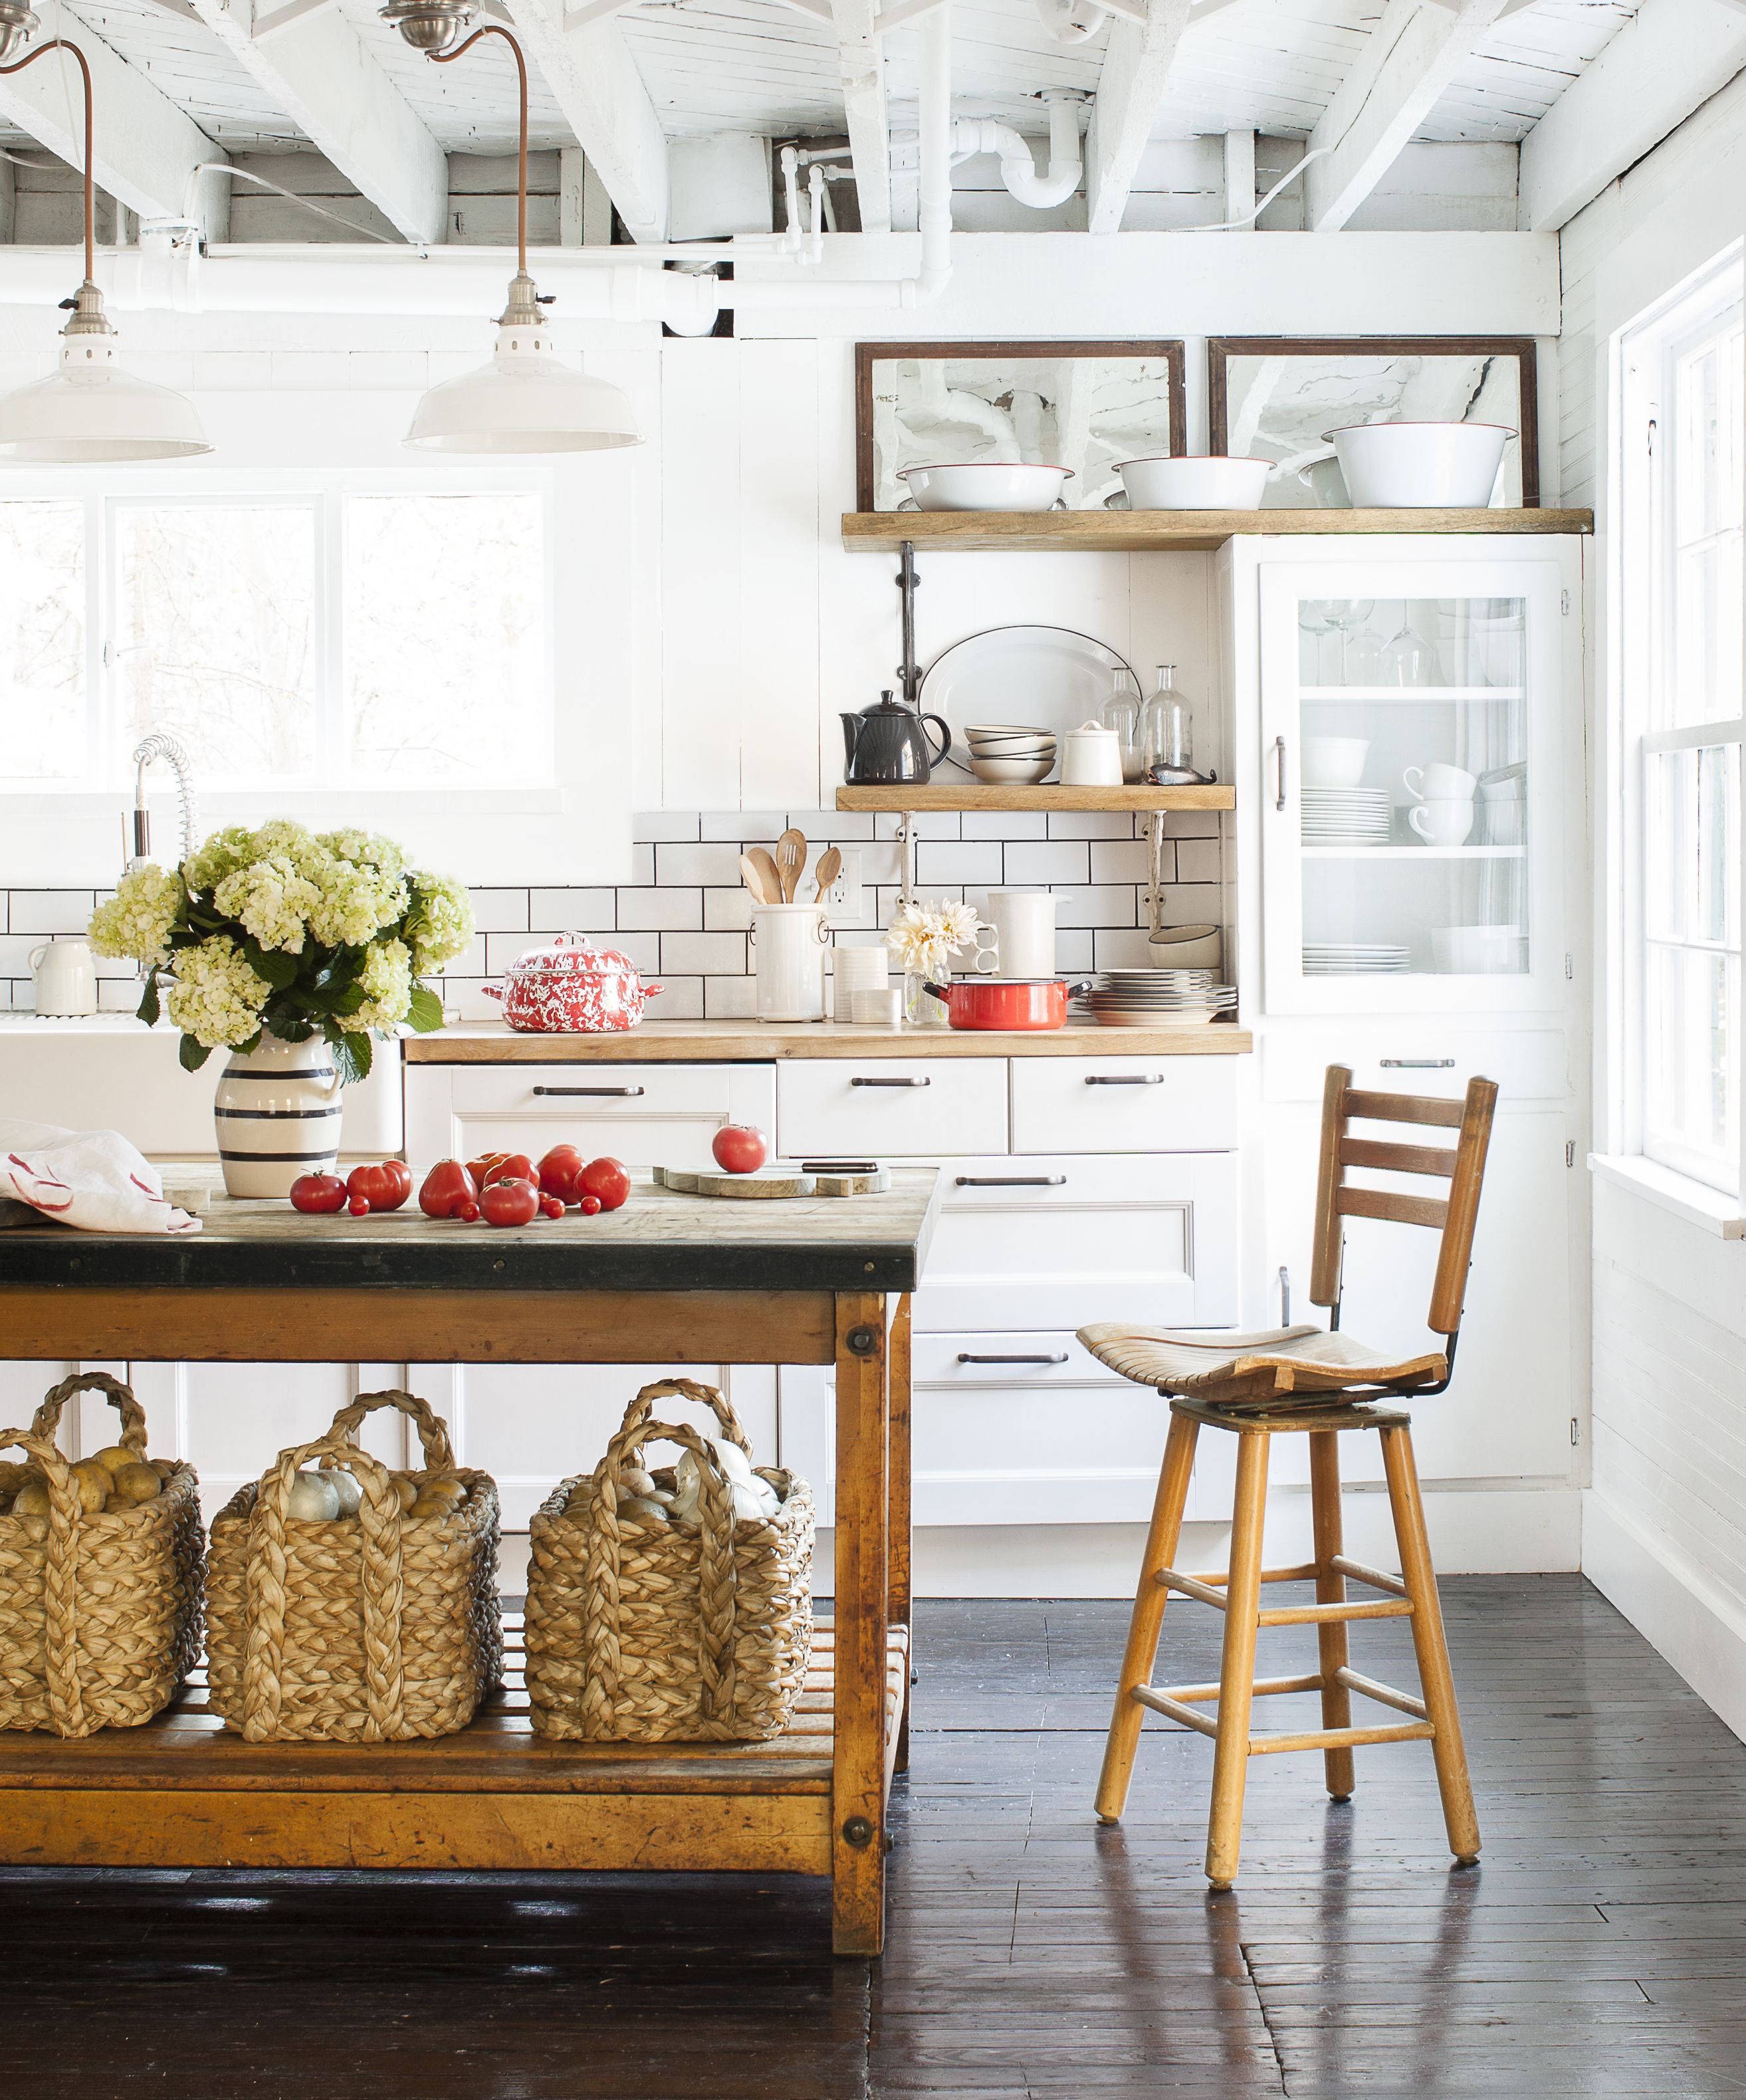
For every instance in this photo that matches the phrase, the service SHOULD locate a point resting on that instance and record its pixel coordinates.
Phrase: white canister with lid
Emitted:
(1090, 757)
(789, 943)
(66, 979)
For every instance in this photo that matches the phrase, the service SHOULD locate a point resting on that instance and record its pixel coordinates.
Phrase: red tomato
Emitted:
(480, 1168)
(607, 1178)
(514, 1203)
(550, 1207)
(588, 1206)
(448, 1187)
(739, 1148)
(359, 1207)
(318, 1193)
(468, 1213)
(558, 1171)
(382, 1188)
(402, 1175)
(511, 1166)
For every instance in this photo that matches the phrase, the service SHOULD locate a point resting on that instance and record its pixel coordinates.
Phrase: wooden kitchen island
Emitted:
(669, 1280)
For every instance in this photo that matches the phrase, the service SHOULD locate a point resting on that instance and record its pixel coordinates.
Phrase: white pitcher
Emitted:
(66, 979)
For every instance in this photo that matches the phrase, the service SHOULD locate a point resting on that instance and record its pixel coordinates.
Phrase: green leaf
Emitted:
(347, 1001)
(278, 968)
(254, 1043)
(351, 1056)
(425, 1011)
(148, 1009)
(192, 1054)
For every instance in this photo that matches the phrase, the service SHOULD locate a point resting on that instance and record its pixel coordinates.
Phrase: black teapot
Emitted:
(889, 743)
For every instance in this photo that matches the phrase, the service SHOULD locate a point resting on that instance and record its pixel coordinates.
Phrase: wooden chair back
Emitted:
(1461, 1166)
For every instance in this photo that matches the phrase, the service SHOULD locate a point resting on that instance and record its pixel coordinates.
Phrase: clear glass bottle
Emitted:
(1122, 714)
(1167, 731)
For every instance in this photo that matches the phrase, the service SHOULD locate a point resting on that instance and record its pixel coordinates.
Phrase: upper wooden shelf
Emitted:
(1151, 532)
(973, 795)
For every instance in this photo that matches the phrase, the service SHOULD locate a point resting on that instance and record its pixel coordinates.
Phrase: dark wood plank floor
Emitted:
(1599, 1950)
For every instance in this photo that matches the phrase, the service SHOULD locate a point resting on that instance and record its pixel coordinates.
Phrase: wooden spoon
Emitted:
(829, 868)
(790, 861)
(768, 889)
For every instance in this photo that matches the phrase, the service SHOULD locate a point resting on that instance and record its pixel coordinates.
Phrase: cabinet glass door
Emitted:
(1410, 716)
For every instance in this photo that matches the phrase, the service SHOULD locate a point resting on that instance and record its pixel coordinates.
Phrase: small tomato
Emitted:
(359, 1207)
(448, 1188)
(588, 1206)
(550, 1207)
(606, 1178)
(511, 1202)
(318, 1193)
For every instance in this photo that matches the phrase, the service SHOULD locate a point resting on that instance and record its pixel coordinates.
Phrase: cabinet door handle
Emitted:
(1011, 1181)
(965, 1357)
(614, 1093)
(1124, 1079)
(1416, 1064)
(859, 1082)
(1279, 760)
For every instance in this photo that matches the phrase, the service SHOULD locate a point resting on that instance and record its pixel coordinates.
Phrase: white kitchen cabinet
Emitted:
(883, 1108)
(1124, 1104)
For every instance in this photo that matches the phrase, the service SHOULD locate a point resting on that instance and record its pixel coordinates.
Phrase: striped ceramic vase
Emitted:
(278, 1112)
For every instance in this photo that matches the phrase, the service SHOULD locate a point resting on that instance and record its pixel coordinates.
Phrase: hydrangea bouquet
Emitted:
(283, 933)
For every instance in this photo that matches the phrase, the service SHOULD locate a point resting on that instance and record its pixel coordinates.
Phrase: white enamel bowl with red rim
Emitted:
(986, 485)
(572, 988)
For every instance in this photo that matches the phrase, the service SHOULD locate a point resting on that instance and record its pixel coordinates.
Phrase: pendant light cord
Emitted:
(63, 44)
(459, 51)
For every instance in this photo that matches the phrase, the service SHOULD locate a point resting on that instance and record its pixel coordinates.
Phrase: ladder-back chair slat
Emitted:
(1396, 1210)
(1398, 1159)
(1324, 1267)
(1450, 1287)
(1401, 1108)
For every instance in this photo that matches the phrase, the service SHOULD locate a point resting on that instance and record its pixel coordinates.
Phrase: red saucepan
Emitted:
(1006, 1002)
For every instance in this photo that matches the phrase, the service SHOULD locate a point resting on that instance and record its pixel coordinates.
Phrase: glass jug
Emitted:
(1122, 714)
(1167, 732)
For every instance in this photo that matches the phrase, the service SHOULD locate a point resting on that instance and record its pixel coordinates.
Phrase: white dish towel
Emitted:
(92, 1179)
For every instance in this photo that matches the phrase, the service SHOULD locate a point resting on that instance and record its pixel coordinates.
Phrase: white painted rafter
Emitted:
(861, 64)
(1137, 60)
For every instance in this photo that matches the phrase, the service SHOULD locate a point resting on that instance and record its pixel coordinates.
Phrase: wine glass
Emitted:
(1409, 659)
(1345, 615)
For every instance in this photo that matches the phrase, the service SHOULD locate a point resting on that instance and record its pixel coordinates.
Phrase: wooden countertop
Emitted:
(751, 1042)
(657, 1242)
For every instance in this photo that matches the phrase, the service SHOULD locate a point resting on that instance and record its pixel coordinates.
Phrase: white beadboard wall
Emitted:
(1664, 1520)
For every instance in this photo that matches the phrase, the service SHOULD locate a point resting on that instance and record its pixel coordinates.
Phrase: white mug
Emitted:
(1022, 923)
(1442, 823)
(1090, 758)
(1438, 783)
(66, 979)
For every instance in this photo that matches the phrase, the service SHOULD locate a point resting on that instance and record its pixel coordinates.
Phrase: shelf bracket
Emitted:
(1154, 871)
(908, 671)
(906, 857)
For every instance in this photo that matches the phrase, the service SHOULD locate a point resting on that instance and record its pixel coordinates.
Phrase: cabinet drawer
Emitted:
(887, 1107)
(1416, 1057)
(1060, 1240)
(1123, 1104)
(647, 1115)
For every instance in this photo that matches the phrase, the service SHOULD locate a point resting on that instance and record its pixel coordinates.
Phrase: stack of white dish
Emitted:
(1346, 816)
(1354, 958)
(1010, 754)
(1159, 998)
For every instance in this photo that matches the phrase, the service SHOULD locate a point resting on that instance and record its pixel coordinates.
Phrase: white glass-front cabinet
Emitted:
(1412, 774)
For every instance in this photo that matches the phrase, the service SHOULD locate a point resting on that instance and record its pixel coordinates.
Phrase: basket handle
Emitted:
(432, 1431)
(383, 1590)
(679, 1389)
(718, 1572)
(47, 1419)
(60, 1566)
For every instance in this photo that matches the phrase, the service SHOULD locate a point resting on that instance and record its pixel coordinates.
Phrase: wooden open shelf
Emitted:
(1153, 531)
(494, 1795)
(973, 795)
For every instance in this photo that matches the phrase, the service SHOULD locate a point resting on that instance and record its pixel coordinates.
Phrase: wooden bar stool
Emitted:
(1321, 1384)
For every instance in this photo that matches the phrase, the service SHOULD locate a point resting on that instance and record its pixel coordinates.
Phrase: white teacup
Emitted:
(1442, 823)
(1334, 761)
(1438, 783)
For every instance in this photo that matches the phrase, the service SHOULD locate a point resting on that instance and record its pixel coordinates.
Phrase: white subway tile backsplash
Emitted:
(951, 860)
(1074, 948)
(576, 910)
(742, 827)
(14, 953)
(46, 911)
(1193, 903)
(727, 911)
(929, 824)
(117, 995)
(500, 910)
(1003, 824)
(703, 955)
(1124, 860)
(1102, 905)
(681, 1000)
(1198, 860)
(730, 998)
(1090, 824)
(653, 825)
(675, 864)
(1053, 861)
(660, 911)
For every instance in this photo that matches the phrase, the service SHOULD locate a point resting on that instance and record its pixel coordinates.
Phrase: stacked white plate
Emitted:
(1346, 816)
(1354, 958)
(1158, 998)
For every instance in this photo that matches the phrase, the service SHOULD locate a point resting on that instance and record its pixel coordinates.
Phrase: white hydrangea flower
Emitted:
(136, 921)
(222, 854)
(280, 839)
(923, 937)
(386, 974)
(271, 899)
(216, 999)
(353, 844)
(440, 923)
(354, 901)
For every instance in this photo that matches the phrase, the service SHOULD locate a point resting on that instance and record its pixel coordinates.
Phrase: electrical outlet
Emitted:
(845, 897)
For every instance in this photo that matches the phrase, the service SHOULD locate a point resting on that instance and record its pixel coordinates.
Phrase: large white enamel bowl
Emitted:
(1416, 466)
(986, 485)
(1193, 484)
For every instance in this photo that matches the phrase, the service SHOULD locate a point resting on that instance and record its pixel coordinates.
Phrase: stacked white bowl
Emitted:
(1010, 754)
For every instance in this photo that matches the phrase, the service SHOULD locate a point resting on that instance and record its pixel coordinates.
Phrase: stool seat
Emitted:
(1277, 1367)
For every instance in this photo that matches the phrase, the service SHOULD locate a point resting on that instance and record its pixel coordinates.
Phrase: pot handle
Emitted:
(943, 993)
(492, 991)
(653, 991)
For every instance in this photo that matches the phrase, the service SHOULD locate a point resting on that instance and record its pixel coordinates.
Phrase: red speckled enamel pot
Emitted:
(572, 988)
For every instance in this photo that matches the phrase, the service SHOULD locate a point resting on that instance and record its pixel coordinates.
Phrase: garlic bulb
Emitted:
(345, 1486)
(753, 1499)
(314, 1499)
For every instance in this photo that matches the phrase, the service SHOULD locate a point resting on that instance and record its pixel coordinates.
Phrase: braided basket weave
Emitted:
(373, 1631)
(689, 1632)
(100, 1616)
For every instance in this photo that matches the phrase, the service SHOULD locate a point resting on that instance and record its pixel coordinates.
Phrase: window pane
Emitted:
(1701, 677)
(446, 679)
(43, 719)
(215, 633)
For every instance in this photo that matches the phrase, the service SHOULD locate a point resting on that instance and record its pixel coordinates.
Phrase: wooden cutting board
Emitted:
(769, 1183)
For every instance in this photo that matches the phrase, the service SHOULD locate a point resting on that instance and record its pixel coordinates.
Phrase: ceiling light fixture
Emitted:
(90, 410)
(525, 399)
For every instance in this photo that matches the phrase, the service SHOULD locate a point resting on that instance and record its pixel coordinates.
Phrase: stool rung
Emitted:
(1304, 1574)
(1374, 1576)
(1341, 1739)
(1384, 1695)
(1263, 1688)
(1190, 1585)
(1327, 1614)
(1161, 1702)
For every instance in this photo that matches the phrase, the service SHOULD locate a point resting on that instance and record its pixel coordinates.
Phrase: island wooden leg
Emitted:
(863, 1574)
(900, 1605)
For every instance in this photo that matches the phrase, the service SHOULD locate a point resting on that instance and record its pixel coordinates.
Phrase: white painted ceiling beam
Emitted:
(1673, 56)
(1410, 57)
(1136, 61)
(319, 72)
(147, 148)
(861, 63)
(596, 84)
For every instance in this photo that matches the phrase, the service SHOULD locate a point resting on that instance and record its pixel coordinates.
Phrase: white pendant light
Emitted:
(89, 410)
(526, 400)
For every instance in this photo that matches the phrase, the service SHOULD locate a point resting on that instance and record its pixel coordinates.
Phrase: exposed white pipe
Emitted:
(1018, 170)
(934, 127)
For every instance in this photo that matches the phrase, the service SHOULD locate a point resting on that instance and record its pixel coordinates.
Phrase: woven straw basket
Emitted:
(694, 1631)
(100, 1616)
(373, 1631)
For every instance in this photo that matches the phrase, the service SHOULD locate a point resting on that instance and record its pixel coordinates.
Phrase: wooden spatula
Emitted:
(829, 868)
(790, 860)
(768, 890)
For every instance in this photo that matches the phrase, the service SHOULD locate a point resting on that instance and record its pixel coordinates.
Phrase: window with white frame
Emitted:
(1681, 563)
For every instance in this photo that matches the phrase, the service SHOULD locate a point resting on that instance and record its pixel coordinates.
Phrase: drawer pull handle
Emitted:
(614, 1093)
(858, 1082)
(1011, 1180)
(1416, 1064)
(965, 1357)
(1124, 1079)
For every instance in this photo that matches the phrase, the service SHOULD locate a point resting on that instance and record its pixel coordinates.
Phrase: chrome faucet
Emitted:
(160, 745)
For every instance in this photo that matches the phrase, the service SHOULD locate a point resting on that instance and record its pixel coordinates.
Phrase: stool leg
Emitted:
(1330, 1589)
(1147, 1621)
(1236, 1670)
(1430, 1645)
